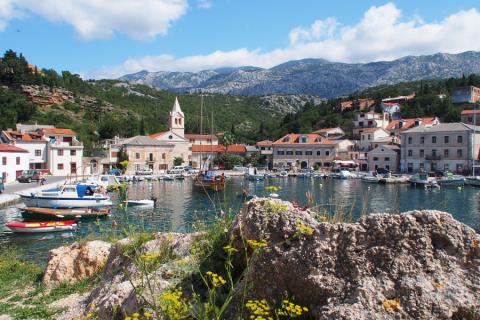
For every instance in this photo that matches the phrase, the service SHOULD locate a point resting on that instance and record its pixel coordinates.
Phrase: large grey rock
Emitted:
(426, 259)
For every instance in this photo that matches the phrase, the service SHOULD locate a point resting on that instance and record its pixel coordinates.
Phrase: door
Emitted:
(73, 167)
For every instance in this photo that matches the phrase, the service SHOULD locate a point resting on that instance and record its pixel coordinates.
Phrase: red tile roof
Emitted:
(294, 138)
(236, 148)
(158, 134)
(325, 130)
(264, 143)
(59, 131)
(371, 130)
(199, 136)
(10, 148)
(464, 112)
(408, 123)
(27, 136)
(208, 148)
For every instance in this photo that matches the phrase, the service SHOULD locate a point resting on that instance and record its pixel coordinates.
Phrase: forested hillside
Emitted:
(102, 109)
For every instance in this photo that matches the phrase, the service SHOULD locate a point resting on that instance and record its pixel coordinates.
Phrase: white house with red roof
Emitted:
(331, 133)
(396, 127)
(367, 120)
(470, 117)
(13, 160)
(33, 142)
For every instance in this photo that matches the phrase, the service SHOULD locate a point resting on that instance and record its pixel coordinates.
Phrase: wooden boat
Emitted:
(42, 226)
(64, 214)
(210, 181)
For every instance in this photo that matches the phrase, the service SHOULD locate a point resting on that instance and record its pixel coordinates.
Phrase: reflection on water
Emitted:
(179, 206)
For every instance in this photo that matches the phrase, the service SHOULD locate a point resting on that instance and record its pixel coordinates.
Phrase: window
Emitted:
(387, 167)
(434, 139)
(38, 153)
(459, 153)
(410, 167)
(409, 140)
(434, 152)
(303, 139)
(446, 153)
(4, 161)
(164, 155)
(327, 153)
(422, 140)
(375, 158)
(459, 167)
(422, 166)
(460, 139)
(298, 153)
(137, 167)
(137, 155)
(60, 152)
(445, 139)
(60, 166)
(422, 153)
(319, 153)
(446, 167)
(17, 160)
(387, 158)
(289, 153)
(308, 153)
(410, 153)
(73, 152)
(363, 137)
(369, 137)
(150, 157)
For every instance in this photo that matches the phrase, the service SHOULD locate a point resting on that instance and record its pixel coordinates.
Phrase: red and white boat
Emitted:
(42, 226)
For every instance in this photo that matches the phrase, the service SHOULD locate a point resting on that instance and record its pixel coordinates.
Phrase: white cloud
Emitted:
(381, 34)
(94, 19)
(204, 4)
(7, 12)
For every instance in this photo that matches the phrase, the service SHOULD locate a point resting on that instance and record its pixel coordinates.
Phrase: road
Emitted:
(17, 186)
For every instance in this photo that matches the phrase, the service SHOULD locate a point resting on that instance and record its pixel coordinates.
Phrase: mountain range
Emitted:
(312, 76)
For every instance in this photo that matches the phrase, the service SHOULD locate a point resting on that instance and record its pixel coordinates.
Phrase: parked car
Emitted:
(240, 168)
(177, 170)
(29, 176)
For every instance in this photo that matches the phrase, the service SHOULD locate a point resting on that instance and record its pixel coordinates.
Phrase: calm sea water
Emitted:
(180, 207)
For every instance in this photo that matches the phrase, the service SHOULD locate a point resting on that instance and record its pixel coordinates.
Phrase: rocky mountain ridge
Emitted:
(312, 76)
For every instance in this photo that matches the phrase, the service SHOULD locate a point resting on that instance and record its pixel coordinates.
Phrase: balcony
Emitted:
(433, 157)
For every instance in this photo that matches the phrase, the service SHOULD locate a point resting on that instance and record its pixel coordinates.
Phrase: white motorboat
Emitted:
(143, 202)
(79, 195)
(450, 179)
(423, 180)
(254, 175)
(283, 174)
(344, 174)
(473, 181)
(305, 173)
(370, 178)
(104, 180)
(168, 177)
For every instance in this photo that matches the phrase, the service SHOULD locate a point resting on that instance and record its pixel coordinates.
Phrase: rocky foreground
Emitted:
(414, 265)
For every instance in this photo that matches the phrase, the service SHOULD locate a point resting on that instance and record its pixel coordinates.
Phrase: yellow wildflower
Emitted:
(438, 285)
(229, 249)
(391, 304)
(304, 229)
(215, 279)
(254, 244)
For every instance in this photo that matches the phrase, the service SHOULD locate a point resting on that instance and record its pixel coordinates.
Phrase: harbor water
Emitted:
(182, 208)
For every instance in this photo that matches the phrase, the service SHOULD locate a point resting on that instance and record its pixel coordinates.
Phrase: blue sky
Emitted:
(109, 38)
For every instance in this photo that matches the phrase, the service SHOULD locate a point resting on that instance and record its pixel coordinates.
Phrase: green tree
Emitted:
(177, 161)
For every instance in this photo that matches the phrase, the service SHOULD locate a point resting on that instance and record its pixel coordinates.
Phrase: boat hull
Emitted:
(473, 182)
(451, 183)
(47, 214)
(42, 227)
(58, 202)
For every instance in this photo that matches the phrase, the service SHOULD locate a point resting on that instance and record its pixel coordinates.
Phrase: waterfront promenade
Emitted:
(10, 194)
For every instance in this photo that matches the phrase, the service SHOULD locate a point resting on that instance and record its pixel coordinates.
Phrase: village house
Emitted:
(468, 94)
(470, 117)
(64, 151)
(386, 156)
(444, 146)
(202, 154)
(368, 137)
(396, 127)
(304, 151)
(145, 153)
(366, 120)
(33, 142)
(13, 160)
(201, 139)
(331, 133)
(265, 147)
(356, 104)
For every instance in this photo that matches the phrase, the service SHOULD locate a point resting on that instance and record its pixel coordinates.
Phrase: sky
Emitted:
(107, 39)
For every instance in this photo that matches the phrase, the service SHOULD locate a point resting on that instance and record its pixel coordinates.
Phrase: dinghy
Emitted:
(143, 202)
(40, 227)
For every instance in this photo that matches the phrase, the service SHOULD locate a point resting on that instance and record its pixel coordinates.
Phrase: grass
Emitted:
(22, 295)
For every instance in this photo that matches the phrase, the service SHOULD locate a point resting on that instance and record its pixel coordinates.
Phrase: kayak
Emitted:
(63, 214)
(46, 226)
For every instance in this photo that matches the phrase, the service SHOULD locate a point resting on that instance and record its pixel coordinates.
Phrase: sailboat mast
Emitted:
(201, 131)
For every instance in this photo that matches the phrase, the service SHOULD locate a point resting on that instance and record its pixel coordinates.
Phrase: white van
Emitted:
(177, 170)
